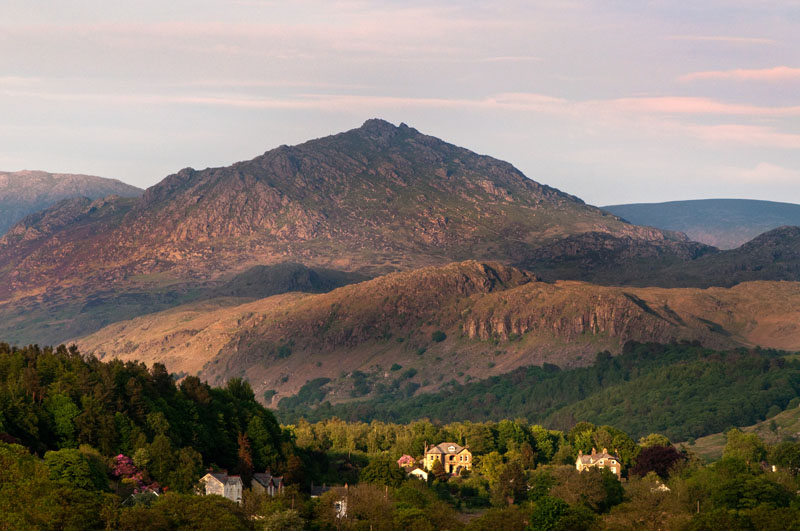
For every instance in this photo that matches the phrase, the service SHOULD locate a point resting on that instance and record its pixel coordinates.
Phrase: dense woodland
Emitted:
(681, 390)
(86, 444)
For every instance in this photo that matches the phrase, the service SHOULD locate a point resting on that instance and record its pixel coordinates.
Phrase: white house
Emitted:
(223, 485)
(599, 460)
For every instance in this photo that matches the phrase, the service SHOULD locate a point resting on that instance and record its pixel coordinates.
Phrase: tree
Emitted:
(658, 459)
(654, 439)
(511, 486)
(382, 470)
(288, 520)
(745, 446)
(71, 465)
(187, 470)
(63, 411)
(245, 461)
(439, 472)
(547, 513)
(511, 518)
(786, 455)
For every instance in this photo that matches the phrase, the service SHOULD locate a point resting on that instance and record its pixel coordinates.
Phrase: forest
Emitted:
(682, 390)
(87, 444)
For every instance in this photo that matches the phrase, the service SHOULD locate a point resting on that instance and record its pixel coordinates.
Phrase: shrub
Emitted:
(438, 336)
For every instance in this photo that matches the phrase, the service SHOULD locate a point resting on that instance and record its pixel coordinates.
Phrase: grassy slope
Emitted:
(786, 424)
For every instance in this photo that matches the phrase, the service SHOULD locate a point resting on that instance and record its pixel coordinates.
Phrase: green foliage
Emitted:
(311, 393)
(678, 390)
(745, 446)
(383, 470)
(75, 467)
(53, 400)
(438, 336)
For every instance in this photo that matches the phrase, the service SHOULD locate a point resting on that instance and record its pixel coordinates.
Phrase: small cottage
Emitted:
(267, 483)
(416, 472)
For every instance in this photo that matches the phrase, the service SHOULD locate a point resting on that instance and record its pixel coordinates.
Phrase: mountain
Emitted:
(613, 260)
(372, 200)
(722, 223)
(25, 192)
(459, 321)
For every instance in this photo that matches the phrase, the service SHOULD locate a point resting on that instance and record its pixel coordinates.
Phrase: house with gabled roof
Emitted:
(266, 482)
(599, 460)
(453, 457)
(416, 472)
(221, 484)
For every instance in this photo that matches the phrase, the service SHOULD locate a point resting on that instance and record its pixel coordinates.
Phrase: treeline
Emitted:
(55, 400)
(86, 444)
(682, 390)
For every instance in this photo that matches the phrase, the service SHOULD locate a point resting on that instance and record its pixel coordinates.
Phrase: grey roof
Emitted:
(596, 456)
(442, 448)
(224, 478)
(268, 479)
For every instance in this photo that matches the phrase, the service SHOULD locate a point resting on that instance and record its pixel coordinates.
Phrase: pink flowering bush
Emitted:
(129, 474)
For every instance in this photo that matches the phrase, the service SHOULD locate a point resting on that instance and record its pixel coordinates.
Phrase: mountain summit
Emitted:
(376, 199)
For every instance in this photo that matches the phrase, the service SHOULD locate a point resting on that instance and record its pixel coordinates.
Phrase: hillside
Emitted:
(372, 200)
(461, 321)
(608, 259)
(722, 223)
(679, 390)
(26, 192)
(783, 426)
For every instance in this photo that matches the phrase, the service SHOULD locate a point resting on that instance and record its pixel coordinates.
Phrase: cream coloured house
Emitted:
(453, 457)
(223, 485)
(598, 460)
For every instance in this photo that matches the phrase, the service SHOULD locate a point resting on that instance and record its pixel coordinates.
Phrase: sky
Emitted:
(613, 101)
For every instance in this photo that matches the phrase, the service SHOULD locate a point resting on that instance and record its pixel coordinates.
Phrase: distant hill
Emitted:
(607, 259)
(463, 320)
(25, 192)
(722, 223)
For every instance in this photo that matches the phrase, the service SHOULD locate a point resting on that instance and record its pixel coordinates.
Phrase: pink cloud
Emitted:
(723, 39)
(687, 105)
(752, 135)
(778, 73)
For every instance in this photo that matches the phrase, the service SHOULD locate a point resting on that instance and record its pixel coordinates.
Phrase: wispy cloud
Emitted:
(750, 135)
(723, 39)
(699, 106)
(761, 173)
(522, 101)
(511, 59)
(778, 73)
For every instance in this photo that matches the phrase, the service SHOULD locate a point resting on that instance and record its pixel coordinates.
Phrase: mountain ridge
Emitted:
(723, 223)
(491, 319)
(28, 191)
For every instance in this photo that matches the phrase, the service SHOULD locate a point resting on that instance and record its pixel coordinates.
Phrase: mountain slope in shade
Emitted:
(495, 319)
(722, 223)
(608, 259)
(372, 200)
(25, 192)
